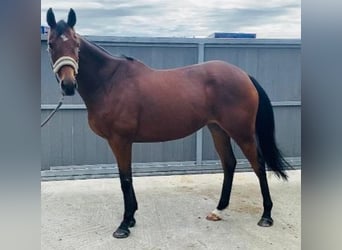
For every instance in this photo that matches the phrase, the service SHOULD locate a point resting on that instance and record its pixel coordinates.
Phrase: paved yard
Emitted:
(82, 214)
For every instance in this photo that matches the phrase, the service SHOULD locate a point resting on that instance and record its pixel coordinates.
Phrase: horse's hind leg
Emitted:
(249, 148)
(224, 149)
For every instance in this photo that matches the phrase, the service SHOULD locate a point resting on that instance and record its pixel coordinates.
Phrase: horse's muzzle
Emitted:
(68, 87)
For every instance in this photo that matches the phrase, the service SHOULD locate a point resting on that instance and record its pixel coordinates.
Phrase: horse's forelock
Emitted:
(61, 27)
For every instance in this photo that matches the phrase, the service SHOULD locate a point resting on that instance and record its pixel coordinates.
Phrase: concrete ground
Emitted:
(82, 214)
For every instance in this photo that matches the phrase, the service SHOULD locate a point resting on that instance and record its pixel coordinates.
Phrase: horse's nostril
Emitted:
(68, 87)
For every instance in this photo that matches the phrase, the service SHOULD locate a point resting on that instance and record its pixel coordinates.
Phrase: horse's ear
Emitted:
(71, 18)
(50, 18)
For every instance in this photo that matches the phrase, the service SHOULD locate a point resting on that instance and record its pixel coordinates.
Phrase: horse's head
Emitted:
(63, 46)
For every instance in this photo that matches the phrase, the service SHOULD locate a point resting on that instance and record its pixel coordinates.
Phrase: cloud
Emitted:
(183, 18)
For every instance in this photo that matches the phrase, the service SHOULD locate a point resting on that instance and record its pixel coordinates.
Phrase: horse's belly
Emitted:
(166, 130)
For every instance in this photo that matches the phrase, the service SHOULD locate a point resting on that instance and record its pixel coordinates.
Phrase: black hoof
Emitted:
(121, 233)
(265, 222)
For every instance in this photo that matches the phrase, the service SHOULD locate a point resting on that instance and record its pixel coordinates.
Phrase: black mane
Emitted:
(62, 26)
(127, 57)
(107, 52)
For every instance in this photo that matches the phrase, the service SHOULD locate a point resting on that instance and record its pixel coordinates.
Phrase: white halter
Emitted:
(63, 61)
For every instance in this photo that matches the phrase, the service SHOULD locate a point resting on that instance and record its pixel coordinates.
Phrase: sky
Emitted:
(180, 18)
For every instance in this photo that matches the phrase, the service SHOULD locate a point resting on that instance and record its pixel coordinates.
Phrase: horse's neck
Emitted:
(93, 59)
(92, 75)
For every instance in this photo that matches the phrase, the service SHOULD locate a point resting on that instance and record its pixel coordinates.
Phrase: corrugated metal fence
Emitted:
(71, 150)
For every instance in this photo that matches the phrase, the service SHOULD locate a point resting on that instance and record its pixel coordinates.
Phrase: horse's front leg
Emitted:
(122, 150)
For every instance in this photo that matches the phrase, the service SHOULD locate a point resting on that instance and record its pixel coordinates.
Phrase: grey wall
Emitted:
(67, 139)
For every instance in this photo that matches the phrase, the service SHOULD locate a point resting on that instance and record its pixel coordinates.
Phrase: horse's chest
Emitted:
(96, 126)
(105, 125)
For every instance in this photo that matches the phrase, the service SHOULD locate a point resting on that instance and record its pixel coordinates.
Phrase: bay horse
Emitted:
(129, 102)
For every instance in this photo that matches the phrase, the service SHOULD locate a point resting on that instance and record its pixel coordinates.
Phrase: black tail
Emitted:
(265, 134)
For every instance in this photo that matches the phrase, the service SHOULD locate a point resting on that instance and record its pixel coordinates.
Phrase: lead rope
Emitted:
(53, 112)
(60, 102)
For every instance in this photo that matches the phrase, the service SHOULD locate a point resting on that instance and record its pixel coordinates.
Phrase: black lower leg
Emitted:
(130, 207)
(226, 189)
(224, 149)
(266, 219)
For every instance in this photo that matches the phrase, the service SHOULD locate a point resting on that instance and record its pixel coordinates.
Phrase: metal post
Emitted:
(199, 146)
(199, 133)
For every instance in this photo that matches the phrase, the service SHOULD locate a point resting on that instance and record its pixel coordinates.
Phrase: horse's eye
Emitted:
(49, 45)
